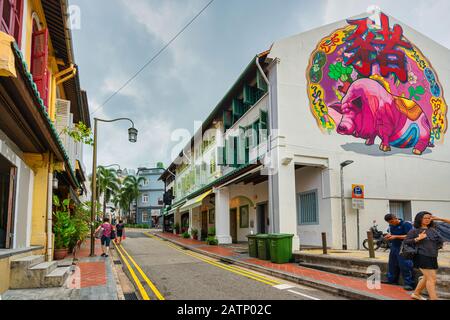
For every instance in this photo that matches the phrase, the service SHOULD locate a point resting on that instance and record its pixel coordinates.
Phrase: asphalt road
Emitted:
(179, 274)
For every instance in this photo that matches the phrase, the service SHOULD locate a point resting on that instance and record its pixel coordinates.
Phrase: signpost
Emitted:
(358, 204)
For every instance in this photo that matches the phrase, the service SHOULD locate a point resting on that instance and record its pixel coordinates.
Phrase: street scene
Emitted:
(223, 151)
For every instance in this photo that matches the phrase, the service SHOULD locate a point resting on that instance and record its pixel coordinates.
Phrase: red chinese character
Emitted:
(383, 48)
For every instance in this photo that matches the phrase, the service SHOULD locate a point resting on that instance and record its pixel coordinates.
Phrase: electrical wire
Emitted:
(152, 58)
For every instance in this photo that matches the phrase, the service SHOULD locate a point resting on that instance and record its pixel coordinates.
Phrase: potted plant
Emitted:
(194, 234)
(81, 222)
(212, 241)
(63, 228)
(186, 235)
(177, 228)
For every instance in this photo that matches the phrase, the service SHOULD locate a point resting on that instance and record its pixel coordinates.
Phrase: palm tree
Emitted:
(130, 190)
(108, 184)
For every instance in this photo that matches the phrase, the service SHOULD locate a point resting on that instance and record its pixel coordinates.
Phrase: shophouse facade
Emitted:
(365, 91)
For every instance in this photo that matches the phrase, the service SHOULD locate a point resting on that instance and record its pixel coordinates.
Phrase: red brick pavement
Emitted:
(92, 274)
(388, 291)
(85, 250)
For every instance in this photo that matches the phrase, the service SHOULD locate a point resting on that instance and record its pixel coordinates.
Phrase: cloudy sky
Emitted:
(184, 84)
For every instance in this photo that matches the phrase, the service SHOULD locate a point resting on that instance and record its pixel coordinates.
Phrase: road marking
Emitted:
(283, 286)
(303, 295)
(233, 269)
(133, 275)
(150, 284)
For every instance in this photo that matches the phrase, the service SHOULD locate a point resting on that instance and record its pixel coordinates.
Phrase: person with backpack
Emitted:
(107, 230)
(427, 241)
(120, 227)
(398, 229)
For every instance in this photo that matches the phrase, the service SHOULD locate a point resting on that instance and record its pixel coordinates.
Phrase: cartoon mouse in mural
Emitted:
(369, 110)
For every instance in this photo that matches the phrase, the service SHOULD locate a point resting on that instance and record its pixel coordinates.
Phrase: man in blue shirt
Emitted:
(398, 229)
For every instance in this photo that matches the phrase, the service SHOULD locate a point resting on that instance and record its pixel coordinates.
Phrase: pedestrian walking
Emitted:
(427, 242)
(120, 227)
(106, 236)
(398, 230)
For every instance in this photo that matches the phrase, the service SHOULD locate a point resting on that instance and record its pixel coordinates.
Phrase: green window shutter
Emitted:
(238, 109)
(252, 95)
(227, 119)
(255, 128)
(263, 125)
(260, 82)
(221, 156)
(235, 151)
(307, 207)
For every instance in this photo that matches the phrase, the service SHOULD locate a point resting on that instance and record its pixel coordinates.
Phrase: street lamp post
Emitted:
(132, 137)
(344, 221)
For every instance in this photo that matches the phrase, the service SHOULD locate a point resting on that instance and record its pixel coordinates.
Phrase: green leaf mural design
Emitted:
(415, 93)
(338, 71)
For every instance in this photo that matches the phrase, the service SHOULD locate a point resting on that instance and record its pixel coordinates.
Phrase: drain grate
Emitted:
(117, 262)
(130, 296)
(226, 261)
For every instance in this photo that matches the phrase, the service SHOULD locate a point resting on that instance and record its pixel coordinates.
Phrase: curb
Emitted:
(322, 285)
(120, 295)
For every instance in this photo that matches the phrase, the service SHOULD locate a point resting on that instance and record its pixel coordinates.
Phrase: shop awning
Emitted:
(195, 202)
(173, 210)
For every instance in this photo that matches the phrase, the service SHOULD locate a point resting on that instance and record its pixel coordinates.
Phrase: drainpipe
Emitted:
(49, 210)
(269, 145)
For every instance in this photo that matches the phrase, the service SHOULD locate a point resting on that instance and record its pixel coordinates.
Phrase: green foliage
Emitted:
(177, 227)
(415, 93)
(186, 235)
(338, 71)
(211, 231)
(160, 165)
(194, 232)
(81, 221)
(212, 241)
(80, 133)
(63, 226)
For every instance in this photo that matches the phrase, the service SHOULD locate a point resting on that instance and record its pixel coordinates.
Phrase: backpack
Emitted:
(408, 251)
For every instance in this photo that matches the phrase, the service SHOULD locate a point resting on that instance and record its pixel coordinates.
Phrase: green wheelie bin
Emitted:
(281, 247)
(252, 246)
(263, 246)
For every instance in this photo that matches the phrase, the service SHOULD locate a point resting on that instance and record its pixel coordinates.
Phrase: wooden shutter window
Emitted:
(11, 18)
(39, 67)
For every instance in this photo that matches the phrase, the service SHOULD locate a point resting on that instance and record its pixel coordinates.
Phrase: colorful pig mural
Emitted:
(370, 82)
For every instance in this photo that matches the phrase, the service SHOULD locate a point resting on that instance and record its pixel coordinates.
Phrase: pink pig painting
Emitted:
(369, 110)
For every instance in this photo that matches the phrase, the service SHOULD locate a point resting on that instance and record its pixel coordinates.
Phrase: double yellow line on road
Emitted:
(233, 269)
(141, 289)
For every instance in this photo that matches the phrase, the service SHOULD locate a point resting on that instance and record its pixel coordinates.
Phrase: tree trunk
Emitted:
(104, 206)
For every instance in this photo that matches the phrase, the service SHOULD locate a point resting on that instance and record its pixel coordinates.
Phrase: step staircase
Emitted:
(33, 272)
(358, 268)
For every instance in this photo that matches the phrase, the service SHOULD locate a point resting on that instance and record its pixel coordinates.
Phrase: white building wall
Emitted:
(24, 192)
(396, 175)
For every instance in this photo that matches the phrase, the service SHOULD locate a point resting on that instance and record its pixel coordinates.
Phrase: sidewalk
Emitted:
(350, 287)
(380, 255)
(92, 278)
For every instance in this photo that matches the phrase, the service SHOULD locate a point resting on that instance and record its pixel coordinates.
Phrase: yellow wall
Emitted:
(40, 166)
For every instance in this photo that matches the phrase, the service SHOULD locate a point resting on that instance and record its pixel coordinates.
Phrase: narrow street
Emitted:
(177, 274)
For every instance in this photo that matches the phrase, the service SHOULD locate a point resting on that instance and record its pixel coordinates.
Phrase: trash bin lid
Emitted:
(251, 236)
(262, 236)
(281, 235)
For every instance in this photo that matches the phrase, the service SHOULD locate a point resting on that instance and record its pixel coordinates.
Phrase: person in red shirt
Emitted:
(106, 236)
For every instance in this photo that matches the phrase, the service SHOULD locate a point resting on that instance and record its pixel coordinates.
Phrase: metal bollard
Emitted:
(370, 243)
(324, 243)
